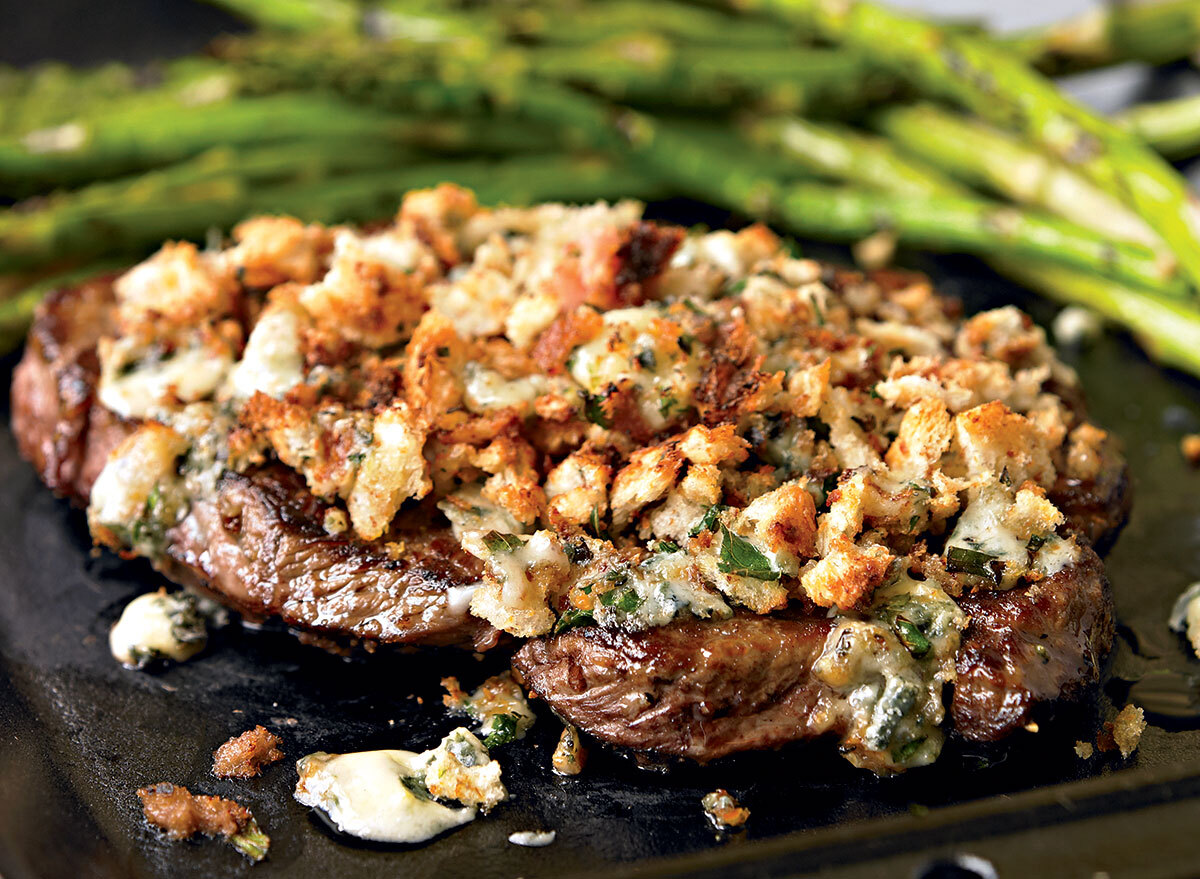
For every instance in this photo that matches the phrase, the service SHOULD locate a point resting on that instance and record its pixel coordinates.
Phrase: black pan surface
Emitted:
(79, 734)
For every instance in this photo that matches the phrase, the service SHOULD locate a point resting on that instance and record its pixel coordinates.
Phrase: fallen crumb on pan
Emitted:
(1084, 750)
(181, 814)
(1185, 616)
(1123, 732)
(570, 754)
(1190, 446)
(244, 756)
(723, 810)
(532, 838)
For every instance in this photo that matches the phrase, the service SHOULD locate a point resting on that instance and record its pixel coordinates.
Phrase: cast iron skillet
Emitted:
(78, 734)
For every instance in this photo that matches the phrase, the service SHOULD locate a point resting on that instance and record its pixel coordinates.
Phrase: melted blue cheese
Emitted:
(889, 667)
(134, 381)
(158, 626)
(272, 362)
(663, 371)
(485, 390)
(400, 796)
(468, 510)
(664, 586)
(982, 528)
(376, 795)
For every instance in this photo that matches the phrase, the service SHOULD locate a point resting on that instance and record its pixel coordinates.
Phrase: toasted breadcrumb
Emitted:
(181, 814)
(244, 756)
(1083, 750)
(1123, 732)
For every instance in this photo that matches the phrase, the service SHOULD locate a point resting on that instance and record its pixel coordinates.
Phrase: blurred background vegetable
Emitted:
(833, 119)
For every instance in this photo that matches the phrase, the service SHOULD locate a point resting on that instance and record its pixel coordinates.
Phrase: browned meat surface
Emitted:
(258, 546)
(245, 756)
(1032, 645)
(692, 689)
(706, 689)
(59, 427)
(182, 814)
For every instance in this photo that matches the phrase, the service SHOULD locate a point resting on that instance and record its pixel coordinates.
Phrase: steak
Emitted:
(688, 482)
(703, 690)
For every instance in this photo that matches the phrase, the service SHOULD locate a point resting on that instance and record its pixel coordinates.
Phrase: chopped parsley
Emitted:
(905, 751)
(741, 557)
(646, 359)
(503, 729)
(1036, 542)
(667, 546)
(736, 287)
(572, 617)
(686, 341)
(593, 410)
(416, 786)
(577, 551)
(622, 599)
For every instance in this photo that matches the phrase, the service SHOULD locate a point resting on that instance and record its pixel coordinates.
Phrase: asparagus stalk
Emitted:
(998, 86)
(302, 16)
(971, 225)
(1171, 127)
(1169, 330)
(151, 137)
(841, 153)
(987, 158)
(1152, 32)
(120, 217)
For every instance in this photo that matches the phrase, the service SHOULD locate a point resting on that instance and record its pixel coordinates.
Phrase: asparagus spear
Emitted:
(1171, 127)
(120, 216)
(152, 137)
(998, 86)
(1153, 32)
(301, 16)
(1169, 330)
(841, 153)
(987, 158)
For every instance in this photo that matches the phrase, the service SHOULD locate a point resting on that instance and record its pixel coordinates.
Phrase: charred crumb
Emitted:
(244, 756)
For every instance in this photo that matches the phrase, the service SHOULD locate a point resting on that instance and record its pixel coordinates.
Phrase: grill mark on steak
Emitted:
(257, 546)
(703, 689)
(59, 426)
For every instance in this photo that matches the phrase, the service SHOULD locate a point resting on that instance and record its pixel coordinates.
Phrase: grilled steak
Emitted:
(734, 499)
(703, 690)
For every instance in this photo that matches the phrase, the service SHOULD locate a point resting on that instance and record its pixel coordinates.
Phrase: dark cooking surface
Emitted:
(78, 734)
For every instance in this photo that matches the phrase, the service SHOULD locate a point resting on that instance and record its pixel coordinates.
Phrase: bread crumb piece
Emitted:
(1190, 446)
(1083, 750)
(244, 756)
(1123, 732)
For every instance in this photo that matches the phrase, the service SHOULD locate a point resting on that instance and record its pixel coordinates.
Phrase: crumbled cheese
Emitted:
(498, 705)
(272, 362)
(135, 380)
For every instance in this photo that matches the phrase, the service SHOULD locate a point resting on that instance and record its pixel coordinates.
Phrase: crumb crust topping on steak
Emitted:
(476, 421)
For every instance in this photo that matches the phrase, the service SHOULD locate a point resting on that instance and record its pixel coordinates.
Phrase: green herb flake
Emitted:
(1036, 542)
(741, 557)
(708, 520)
(912, 637)
(665, 404)
(497, 542)
(416, 786)
(912, 523)
(443, 351)
(691, 306)
(686, 343)
(503, 729)
(736, 287)
(572, 617)
(907, 750)
(251, 841)
(593, 410)
(667, 546)
(959, 559)
(646, 360)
